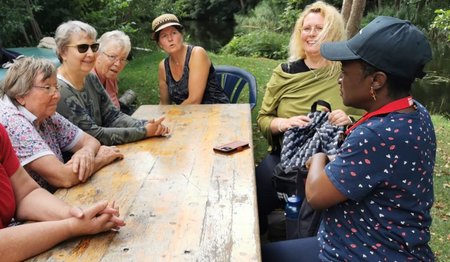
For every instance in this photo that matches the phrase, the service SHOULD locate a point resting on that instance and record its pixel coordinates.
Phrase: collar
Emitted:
(27, 114)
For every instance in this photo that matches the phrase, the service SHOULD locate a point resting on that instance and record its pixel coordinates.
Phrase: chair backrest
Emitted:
(233, 80)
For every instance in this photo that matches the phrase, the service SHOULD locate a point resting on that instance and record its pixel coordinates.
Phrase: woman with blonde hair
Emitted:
(294, 87)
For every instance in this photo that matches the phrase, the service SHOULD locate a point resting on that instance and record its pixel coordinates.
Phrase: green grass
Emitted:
(440, 229)
(141, 75)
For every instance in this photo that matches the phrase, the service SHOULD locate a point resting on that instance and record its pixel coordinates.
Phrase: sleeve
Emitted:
(67, 133)
(109, 126)
(8, 157)
(359, 166)
(26, 141)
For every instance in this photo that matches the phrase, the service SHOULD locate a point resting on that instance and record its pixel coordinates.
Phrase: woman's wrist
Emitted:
(279, 125)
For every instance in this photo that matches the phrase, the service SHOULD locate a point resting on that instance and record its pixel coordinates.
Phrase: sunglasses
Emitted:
(82, 48)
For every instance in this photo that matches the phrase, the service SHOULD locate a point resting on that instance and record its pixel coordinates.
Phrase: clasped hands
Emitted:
(100, 217)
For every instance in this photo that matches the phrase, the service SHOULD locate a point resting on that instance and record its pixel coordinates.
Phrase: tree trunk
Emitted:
(397, 4)
(37, 33)
(25, 36)
(354, 20)
(242, 4)
(346, 8)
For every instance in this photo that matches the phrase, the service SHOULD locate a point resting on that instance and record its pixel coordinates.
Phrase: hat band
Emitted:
(167, 22)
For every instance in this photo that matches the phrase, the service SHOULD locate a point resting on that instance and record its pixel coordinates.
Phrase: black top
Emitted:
(178, 90)
(295, 67)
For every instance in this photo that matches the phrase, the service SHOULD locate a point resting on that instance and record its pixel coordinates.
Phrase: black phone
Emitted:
(231, 147)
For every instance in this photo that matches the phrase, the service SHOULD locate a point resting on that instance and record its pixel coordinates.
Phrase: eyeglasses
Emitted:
(51, 90)
(82, 48)
(114, 58)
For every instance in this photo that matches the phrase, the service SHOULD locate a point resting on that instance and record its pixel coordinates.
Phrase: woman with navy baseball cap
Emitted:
(377, 192)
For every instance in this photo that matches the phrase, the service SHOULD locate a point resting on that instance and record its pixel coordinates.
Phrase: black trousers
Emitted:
(266, 194)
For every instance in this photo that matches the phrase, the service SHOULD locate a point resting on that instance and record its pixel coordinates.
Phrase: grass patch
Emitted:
(440, 229)
(141, 75)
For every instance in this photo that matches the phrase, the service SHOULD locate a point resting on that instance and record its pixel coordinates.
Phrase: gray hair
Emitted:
(66, 30)
(21, 75)
(117, 37)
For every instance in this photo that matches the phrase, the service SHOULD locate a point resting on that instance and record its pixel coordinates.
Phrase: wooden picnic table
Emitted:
(181, 200)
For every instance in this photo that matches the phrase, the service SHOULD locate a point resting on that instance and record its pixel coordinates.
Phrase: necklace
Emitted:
(320, 64)
(312, 71)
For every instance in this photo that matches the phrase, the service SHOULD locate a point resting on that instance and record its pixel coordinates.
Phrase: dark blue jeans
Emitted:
(298, 250)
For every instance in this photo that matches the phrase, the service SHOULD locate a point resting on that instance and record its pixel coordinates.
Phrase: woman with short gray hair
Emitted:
(113, 54)
(84, 100)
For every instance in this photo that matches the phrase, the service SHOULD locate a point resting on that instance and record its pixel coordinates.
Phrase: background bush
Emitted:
(259, 44)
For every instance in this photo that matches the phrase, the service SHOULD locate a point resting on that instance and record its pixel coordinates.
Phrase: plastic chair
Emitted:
(233, 80)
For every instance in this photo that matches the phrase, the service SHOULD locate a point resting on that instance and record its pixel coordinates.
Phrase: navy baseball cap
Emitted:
(390, 44)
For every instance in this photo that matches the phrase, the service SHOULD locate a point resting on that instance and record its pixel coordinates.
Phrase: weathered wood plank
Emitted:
(181, 200)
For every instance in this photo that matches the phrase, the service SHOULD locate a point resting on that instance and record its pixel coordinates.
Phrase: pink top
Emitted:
(111, 86)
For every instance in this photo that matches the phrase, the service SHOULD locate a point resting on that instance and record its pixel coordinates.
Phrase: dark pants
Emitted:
(303, 249)
(266, 194)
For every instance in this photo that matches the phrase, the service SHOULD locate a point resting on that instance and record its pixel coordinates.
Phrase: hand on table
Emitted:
(109, 153)
(156, 128)
(83, 164)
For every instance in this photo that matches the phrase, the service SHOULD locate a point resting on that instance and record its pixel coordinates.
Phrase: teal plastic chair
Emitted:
(233, 80)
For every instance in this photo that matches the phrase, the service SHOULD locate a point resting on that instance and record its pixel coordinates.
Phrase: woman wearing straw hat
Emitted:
(187, 75)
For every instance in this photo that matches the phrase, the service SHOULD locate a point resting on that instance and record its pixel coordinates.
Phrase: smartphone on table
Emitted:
(231, 147)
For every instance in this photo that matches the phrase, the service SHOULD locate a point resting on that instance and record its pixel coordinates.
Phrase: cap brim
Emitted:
(167, 25)
(337, 51)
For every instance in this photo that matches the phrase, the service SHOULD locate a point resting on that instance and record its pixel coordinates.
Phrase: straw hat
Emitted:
(164, 21)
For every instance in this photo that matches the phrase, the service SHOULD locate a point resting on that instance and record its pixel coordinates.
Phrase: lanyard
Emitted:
(396, 105)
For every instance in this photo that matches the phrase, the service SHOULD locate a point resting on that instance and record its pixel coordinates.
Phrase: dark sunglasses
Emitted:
(82, 48)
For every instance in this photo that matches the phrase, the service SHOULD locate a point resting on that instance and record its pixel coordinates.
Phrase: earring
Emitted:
(372, 93)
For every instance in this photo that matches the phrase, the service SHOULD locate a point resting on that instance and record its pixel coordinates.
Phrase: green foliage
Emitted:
(109, 15)
(290, 15)
(13, 21)
(264, 17)
(441, 24)
(266, 44)
(264, 31)
(420, 13)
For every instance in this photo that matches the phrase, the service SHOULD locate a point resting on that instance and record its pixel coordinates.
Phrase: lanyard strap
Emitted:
(396, 105)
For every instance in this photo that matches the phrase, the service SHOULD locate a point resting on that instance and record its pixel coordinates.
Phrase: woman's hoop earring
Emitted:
(372, 93)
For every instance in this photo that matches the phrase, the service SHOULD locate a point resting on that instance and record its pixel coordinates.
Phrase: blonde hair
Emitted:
(333, 30)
